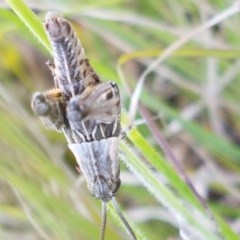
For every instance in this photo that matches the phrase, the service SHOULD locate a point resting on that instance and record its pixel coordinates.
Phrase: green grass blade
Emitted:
(31, 21)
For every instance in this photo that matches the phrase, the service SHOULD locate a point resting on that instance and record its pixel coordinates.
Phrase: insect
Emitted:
(86, 110)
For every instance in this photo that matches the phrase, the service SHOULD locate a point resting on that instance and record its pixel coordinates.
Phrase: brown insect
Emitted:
(86, 110)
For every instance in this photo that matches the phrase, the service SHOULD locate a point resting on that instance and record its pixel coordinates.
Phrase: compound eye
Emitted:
(40, 105)
(75, 113)
(117, 186)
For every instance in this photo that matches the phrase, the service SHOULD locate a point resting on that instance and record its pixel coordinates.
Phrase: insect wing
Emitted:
(98, 161)
(71, 70)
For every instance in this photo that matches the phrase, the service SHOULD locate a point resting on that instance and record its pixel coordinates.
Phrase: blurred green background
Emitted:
(195, 94)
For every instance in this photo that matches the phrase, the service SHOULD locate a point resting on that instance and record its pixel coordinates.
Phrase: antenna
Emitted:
(104, 220)
(124, 221)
